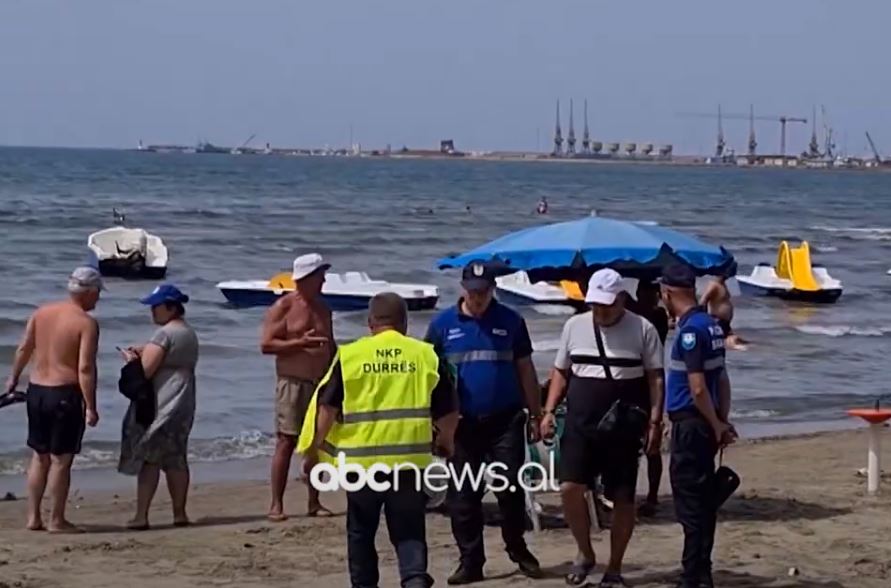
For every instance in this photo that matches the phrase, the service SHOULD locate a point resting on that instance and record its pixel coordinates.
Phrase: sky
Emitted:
(485, 73)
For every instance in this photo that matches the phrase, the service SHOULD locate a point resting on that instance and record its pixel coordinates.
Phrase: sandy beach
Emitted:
(801, 506)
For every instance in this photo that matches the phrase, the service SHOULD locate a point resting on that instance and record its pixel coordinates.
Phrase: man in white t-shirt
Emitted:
(626, 364)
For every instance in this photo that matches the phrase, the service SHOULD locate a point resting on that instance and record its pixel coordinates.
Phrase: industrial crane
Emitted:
(781, 119)
(875, 152)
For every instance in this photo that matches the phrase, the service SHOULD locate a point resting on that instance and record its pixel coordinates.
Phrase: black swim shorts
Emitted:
(56, 419)
(584, 456)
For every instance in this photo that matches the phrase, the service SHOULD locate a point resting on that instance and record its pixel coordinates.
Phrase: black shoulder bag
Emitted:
(623, 419)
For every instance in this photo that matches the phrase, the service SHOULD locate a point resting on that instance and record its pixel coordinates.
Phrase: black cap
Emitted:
(480, 275)
(678, 276)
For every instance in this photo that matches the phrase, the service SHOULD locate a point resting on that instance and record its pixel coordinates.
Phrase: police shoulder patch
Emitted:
(688, 341)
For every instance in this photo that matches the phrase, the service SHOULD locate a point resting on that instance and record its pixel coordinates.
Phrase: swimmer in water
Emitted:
(542, 206)
(716, 299)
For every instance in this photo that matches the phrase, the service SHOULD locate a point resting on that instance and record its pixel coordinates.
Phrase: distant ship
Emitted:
(206, 147)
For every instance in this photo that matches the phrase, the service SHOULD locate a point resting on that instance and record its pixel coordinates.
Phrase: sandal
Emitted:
(579, 572)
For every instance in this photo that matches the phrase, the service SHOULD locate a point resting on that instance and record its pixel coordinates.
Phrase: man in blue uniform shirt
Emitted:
(488, 345)
(698, 405)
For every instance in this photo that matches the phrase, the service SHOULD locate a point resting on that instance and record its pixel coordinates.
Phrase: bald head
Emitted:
(387, 311)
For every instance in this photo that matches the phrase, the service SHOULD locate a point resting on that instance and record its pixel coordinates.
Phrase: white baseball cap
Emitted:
(308, 264)
(604, 286)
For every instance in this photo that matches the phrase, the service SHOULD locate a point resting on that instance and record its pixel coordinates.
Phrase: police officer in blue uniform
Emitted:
(488, 345)
(698, 405)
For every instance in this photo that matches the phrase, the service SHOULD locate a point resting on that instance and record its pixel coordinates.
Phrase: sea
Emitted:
(228, 217)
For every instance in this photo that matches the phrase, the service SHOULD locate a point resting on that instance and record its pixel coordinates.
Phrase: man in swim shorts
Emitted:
(61, 338)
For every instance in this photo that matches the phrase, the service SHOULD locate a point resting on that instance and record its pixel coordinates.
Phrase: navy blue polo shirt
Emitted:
(698, 347)
(483, 352)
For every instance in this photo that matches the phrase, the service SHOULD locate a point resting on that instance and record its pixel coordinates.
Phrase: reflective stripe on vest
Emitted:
(479, 355)
(388, 381)
(708, 365)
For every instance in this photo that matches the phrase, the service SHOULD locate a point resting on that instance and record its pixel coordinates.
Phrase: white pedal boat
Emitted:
(792, 278)
(129, 253)
(516, 288)
(342, 292)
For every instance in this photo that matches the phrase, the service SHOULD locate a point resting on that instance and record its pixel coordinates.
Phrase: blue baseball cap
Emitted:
(480, 275)
(165, 293)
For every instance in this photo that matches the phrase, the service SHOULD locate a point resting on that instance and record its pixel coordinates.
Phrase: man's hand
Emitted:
(310, 459)
(444, 447)
(725, 433)
(547, 427)
(310, 339)
(11, 384)
(654, 439)
(534, 429)
(92, 417)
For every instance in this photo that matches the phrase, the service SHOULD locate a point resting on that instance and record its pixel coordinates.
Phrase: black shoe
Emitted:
(465, 575)
(706, 581)
(527, 563)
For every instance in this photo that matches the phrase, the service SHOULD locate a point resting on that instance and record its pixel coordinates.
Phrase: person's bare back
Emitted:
(59, 330)
(717, 300)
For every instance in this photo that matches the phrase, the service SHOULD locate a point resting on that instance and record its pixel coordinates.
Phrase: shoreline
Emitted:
(801, 505)
(256, 468)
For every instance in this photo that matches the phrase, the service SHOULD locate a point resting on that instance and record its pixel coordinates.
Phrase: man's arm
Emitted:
(707, 295)
(556, 390)
(434, 337)
(653, 361)
(526, 370)
(444, 411)
(531, 387)
(23, 355)
(86, 368)
(328, 405)
(724, 397)
(692, 353)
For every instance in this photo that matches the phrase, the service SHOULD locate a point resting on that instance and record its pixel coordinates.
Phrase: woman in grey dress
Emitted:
(168, 360)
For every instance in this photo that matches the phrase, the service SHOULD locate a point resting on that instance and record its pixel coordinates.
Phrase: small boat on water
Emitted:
(342, 292)
(517, 288)
(792, 278)
(130, 253)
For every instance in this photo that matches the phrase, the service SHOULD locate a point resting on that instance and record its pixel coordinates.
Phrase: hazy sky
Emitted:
(483, 72)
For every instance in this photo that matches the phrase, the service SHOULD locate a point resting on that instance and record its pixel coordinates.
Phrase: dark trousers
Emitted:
(500, 438)
(692, 473)
(404, 509)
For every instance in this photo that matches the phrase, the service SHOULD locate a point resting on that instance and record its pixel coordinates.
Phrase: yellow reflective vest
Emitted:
(388, 382)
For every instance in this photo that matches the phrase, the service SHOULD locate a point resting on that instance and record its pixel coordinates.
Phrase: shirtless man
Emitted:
(297, 330)
(62, 339)
(716, 299)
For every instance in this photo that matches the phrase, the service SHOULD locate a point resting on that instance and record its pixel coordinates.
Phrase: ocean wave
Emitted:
(753, 414)
(104, 454)
(843, 330)
(858, 233)
(825, 248)
(828, 229)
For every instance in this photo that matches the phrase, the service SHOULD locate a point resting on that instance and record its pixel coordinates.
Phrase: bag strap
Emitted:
(600, 349)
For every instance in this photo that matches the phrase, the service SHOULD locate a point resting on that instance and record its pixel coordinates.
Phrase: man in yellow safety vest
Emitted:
(371, 427)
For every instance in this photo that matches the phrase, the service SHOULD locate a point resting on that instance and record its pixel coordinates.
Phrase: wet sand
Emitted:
(801, 506)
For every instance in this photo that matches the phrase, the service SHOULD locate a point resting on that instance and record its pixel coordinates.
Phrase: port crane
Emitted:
(875, 152)
(751, 117)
